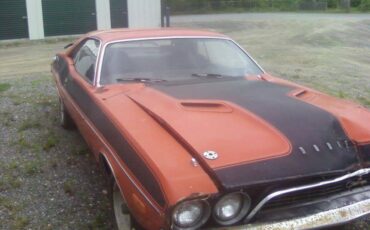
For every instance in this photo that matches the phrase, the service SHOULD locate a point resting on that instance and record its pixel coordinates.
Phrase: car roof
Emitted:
(122, 34)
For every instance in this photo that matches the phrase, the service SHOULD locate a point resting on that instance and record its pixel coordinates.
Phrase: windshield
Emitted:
(174, 59)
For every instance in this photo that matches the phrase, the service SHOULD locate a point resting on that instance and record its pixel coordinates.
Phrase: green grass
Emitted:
(364, 101)
(33, 167)
(6, 118)
(99, 222)
(81, 151)
(25, 42)
(51, 141)
(231, 9)
(46, 102)
(4, 87)
(8, 204)
(9, 182)
(12, 166)
(11, 210)
(9, 177)
(29, 124)
(68, 187)
(22, 143)
(37, 82)
(341, 94)
(21, 222)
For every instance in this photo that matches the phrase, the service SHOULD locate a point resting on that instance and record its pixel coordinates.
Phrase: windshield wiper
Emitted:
(210, 75)
(139, 79)
(213, 75)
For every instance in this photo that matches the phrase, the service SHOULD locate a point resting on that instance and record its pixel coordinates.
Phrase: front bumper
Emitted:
(328, 211)
(322, 219)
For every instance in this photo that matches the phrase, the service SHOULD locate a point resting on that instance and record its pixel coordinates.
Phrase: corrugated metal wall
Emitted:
(13, 19)
(118, 13)
(64, 17)
(144, 13)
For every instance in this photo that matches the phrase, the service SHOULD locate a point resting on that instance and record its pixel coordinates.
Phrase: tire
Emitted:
(121, 214)
(65, 119)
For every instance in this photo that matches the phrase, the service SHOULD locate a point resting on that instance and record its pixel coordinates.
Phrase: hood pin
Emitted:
(210, 155)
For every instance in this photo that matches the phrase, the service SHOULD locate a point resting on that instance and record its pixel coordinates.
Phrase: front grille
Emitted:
(318, 193)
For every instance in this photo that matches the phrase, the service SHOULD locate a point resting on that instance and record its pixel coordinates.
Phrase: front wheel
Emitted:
(122, 214)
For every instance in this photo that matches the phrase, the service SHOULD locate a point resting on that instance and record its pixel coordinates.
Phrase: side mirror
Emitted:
(55, 58)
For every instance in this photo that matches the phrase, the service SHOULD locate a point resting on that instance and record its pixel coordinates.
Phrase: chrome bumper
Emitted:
(322, 219)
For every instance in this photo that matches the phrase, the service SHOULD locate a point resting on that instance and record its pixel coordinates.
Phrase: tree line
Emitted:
(283, 5)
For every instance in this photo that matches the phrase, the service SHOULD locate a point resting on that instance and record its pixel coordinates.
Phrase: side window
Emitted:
(85, 59)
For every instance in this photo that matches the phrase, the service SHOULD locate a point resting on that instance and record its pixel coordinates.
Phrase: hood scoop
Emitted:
(204, 106)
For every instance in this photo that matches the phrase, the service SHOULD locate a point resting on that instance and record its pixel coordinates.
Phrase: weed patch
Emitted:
(8, 204)
(8, 182)
(51, 142)
(6, 118)
(33, 167)
(20, 222)
(364, 101)
(68, 187)
(4, 87)
(29, 124)
(81, 151)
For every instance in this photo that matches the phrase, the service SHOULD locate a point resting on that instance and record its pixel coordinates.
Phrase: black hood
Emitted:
(320, 145)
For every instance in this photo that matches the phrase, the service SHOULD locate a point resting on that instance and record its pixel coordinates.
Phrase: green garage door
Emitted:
(118, 12)
(13, 19)
(65, 17)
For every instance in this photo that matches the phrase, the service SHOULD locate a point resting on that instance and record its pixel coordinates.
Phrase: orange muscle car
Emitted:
(192, 133)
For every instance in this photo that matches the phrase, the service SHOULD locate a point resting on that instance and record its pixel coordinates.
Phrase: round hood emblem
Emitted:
(210, 155)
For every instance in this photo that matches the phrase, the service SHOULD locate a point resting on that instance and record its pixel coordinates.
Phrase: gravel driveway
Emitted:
(48, 179)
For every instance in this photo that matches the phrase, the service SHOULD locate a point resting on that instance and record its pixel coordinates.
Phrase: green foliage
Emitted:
(355, 3)
(21, 222)
(51, 141)
(9, 181)
(29, 124)
(203, 6)
(364, 101)
(32, 167)
(332, 3)
(195, 6)
(4, 87)
(69, 187)
(285, 4)
(365, 5)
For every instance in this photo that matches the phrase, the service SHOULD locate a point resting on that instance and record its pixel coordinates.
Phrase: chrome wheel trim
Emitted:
(123, 220)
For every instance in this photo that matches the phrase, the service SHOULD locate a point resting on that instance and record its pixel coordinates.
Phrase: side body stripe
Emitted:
(126, 152)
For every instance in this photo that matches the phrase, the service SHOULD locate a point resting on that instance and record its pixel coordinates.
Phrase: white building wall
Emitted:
(144, 13)
(141, 14)
(35, 19)
(103, 14)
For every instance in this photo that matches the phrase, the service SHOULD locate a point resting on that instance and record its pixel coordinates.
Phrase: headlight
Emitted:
(231, 208)
(190, 214)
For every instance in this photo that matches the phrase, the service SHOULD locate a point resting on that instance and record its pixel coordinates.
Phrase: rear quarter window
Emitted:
(85, 59)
